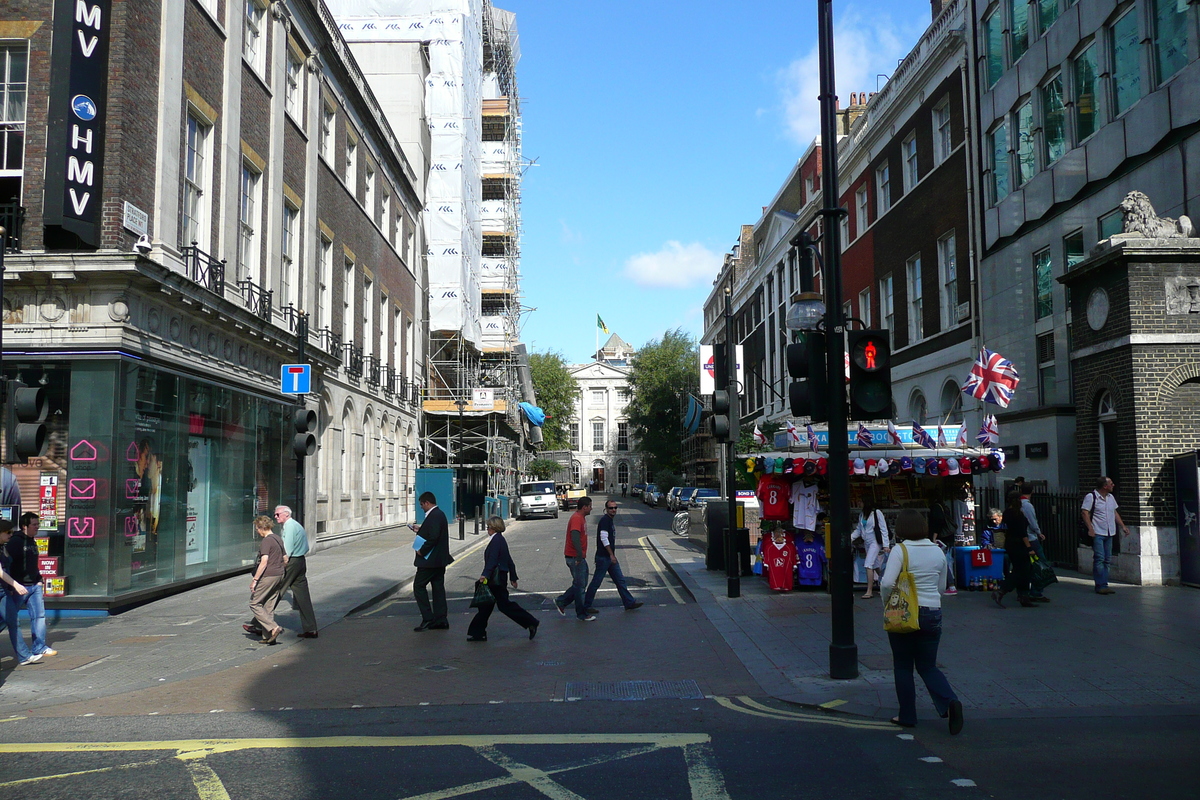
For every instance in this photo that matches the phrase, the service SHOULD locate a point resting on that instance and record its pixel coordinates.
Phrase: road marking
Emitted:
(12, 719)
(653, 556)
(755, 709)
(963, 782)
(98, 771)
(834, 703)
(931, 760)
(208, 785)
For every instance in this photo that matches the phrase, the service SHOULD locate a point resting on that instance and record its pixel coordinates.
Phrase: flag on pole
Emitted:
(993, 379)
(989, 432)
(922, 437)
(864, 436)
(894, 435)
(759, 437)
(793, 434)
(961, 441)
(600, 324)
(941, 440)
(812, 439)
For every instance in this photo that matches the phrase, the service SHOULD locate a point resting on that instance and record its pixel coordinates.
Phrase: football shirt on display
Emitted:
(774, 495)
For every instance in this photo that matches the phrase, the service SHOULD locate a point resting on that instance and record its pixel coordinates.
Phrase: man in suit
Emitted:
(431, 562)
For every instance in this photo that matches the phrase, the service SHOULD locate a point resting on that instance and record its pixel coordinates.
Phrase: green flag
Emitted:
(600, 324)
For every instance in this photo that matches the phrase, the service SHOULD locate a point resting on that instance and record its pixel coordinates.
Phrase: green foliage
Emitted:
(666, 480)
(555, 389)
(543, 468)
(663, 371)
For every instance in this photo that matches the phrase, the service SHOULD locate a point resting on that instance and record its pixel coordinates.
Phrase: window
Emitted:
(248, 222)
(289, 271)
(385, 208)
(293, 95)
(1085, 94)
(844, 228)
(1111, 224)
(622, 435)
(918, 409)
(14, 86)
(348, 302)
(952, 400)
(1126, 63)
(860, 204)
(864, 306)
(808, 188)
(1043, 279)
(574, 432)
(397, 346)
(948, 275)
(624, 395)
(908, 149)
(1019, 29)
(1048, 11)
(352, 166)
(195, 182)
(1110, 449)
(623, 472)
(597, 435)
(1026, 156)
(597, 397)
(998, 161)
(324, 286)
(887, 310)
(368, 322)
(883, 189)
(941, 131)
(1170, 37)
(327, 122)
(384, 319)
(1054, 130)
(253, 32)
(1047, 382)
(1073, 248)
(369, 193)
(411, 356)
(916, 328)
(993, 40)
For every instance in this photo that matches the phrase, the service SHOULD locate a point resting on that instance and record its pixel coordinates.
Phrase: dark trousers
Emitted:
(504, 604)
(1019, 573)
(919, 649)
(433, 614)
(295, 577)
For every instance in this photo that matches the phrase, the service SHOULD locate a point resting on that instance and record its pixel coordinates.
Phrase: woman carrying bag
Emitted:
(925, 565)
(498, 570)
(873, 531)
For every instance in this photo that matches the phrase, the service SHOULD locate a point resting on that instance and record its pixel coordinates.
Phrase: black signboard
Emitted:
(1038, 450)
(1012, 452)
(75, 129)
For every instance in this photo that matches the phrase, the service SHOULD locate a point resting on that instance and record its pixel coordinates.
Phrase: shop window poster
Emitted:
(199, 462)
(148, 467)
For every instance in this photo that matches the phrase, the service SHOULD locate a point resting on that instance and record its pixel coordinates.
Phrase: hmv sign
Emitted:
(75, 146)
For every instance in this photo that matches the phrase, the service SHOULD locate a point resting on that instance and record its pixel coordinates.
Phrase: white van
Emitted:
(537, 498)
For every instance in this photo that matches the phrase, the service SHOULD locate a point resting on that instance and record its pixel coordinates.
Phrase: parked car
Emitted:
(701, 495)
(650, 495)
(677, 497)
(637, 489)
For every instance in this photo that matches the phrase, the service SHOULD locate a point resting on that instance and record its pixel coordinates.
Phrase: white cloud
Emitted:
(863, 47)
(675, 266)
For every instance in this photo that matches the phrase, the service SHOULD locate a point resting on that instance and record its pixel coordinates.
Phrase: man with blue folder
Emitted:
(433, 556)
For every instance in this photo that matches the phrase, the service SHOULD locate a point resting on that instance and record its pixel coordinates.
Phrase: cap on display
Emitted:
(906, 464)
(760, 464)
(964, 465)
(860, 467)
(788, 466)
(952, 465)
(822, 465)
(919, 465)
(931, 466)
(810, 466)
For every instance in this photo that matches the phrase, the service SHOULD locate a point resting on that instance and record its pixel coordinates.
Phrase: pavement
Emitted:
(1083, 654)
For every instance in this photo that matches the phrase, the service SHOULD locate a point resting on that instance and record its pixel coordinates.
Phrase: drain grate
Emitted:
(550, 663)
(437, 668)
(635, 690)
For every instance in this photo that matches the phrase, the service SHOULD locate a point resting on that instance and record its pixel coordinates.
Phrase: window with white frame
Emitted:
(248, 201)
(410, 354)
(289, 270)
(908, 148)
(941, 131)
(883, 189)
(573, 430)
(622, 435)
(860, 215)
(254, 33)
(352, 166)
(948, 275)
(369, 192)
(14, 91)
(368, 321)
(325, 286)
(887, 309)
(384, 319)
(597, 435)
(348, 302)
(385, 216)
(196, 201)
(325, 142)
(845, 231)
(397, 345)
(597, 397)
(916, 327)
(293, 90)
(864, 306)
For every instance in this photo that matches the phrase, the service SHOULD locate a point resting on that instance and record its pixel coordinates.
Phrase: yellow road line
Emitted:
(40, 778)
(653, 556)
(883, 726)
(791, 716)
(208, 785)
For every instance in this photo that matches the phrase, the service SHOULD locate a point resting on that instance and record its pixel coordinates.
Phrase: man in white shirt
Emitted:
(1102, 520)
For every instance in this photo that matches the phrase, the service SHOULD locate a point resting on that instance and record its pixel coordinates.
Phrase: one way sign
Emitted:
(295, 378)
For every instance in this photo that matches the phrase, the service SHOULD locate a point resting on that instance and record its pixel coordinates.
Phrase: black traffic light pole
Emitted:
(302, 336)
(732, 567)
(843, 652)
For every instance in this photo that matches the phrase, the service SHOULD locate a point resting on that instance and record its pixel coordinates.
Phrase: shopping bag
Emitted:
(981, 558)
(483, 595)
(1041, 574)
(900, 607)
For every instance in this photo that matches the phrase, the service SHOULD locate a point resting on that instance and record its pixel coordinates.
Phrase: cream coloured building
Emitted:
(602, 446)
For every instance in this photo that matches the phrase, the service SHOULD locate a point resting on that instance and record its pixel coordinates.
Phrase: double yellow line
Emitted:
(755, 709)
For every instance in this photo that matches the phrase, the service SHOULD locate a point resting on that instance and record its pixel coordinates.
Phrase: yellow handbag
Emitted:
(900, 607)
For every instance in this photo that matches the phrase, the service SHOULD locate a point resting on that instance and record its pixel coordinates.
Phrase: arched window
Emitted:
(623, 472)
(344, 452)
(364, 454)
(952, 402)
(325, 452)
(916, 407)
(1106, 419)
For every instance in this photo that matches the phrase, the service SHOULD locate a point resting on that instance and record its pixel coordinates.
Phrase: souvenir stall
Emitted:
(889, 470)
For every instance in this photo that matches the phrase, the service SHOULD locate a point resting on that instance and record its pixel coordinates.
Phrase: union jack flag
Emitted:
(864, 436)
(894, 435)
(989, 432)
(941, 440)
(993, 379)
(759, 436)
(922, 437)
(793, 434)
(812, 438)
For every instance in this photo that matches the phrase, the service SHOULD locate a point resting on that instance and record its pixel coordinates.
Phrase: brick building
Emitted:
(196, 191)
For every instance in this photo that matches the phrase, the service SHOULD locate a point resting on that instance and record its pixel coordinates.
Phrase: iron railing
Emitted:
(204, 269)
(12, 219)
(372, 368)
(388, 379)
(256, 298)
(352, 359)
(295, 319)
(1057, 515)
(329, 341)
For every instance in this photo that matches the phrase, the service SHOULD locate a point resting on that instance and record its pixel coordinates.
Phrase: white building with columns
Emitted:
(602, 446)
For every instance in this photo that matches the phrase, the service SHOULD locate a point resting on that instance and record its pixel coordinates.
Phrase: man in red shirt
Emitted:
(575, 551)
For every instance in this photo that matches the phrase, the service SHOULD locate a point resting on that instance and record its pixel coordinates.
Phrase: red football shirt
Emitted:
(781, 561)
(773, 492)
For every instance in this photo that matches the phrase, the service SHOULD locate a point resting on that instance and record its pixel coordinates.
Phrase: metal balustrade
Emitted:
(204, 269)
(12, 219)
(256, 298)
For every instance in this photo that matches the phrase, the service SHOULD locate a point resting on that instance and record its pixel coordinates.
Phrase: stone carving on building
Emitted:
(1140, 219)
(1183, 295)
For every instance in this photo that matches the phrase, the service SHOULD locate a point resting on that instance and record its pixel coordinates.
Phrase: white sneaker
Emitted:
(49, 651)
(588, 618)
(31, 660)
(952, 590)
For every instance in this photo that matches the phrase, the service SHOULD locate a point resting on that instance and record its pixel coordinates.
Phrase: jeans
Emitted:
(919, 649)
(577, 592)
(36, 606)
(1101, 558)
(1041, 554)
(606, 566)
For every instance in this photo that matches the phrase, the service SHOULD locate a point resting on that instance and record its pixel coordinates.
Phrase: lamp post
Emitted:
(458, 495)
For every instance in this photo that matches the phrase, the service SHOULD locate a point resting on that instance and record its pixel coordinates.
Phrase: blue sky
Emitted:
(659, 128)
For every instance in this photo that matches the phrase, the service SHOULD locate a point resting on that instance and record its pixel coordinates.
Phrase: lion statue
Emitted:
(1140, 219)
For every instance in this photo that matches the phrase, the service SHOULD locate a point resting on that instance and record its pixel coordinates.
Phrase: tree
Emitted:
(662, 373)
(544, 468)
(556, 390)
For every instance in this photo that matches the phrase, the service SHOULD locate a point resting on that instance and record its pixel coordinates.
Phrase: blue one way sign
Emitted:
(295, 378)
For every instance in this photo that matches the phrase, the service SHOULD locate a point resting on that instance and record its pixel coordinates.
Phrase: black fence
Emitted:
(12, 219)
(1057, 515)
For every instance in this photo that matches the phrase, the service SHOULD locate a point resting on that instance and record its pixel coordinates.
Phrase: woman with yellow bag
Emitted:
(912, 586)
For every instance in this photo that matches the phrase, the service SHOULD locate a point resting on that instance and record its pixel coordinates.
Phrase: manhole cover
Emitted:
(437, 668)
(635, 690)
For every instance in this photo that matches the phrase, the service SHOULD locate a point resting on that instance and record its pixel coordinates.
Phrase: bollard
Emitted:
(462, 526)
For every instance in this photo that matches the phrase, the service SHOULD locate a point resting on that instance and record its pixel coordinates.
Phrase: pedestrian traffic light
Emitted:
(304, 443)
(26, 421)
(870, 375)
(806, 361)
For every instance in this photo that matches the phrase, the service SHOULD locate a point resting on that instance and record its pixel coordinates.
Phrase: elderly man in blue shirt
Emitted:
(295, 571)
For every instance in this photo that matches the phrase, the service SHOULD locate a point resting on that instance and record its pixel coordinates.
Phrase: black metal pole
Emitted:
(302, 337)
(458, 502)
(733, 572)
(843, 652)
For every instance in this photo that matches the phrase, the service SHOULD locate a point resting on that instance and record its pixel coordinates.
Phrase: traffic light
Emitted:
(806, 361)
(726, 422)
(26, 421)
(870, 374)
(304, 443)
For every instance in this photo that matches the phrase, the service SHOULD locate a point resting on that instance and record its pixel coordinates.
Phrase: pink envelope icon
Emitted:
(82, 488)
(81, 527)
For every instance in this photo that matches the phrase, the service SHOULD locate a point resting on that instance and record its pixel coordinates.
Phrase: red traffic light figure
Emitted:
(870, 374)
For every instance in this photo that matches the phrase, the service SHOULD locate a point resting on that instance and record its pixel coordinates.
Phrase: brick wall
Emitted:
(203, 69)
(35, 114)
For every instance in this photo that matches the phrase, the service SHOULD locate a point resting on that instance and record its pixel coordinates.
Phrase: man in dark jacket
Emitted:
(432, 559)
(22, 555)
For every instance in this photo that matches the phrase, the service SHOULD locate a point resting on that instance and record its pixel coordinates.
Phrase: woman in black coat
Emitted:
(498, 570)
(1019, 550)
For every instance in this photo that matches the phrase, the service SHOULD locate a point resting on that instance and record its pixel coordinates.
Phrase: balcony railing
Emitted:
(372, 368)
(329, 341)
(204, 269)
(12, 219)
(256, 298)
(352, 359)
